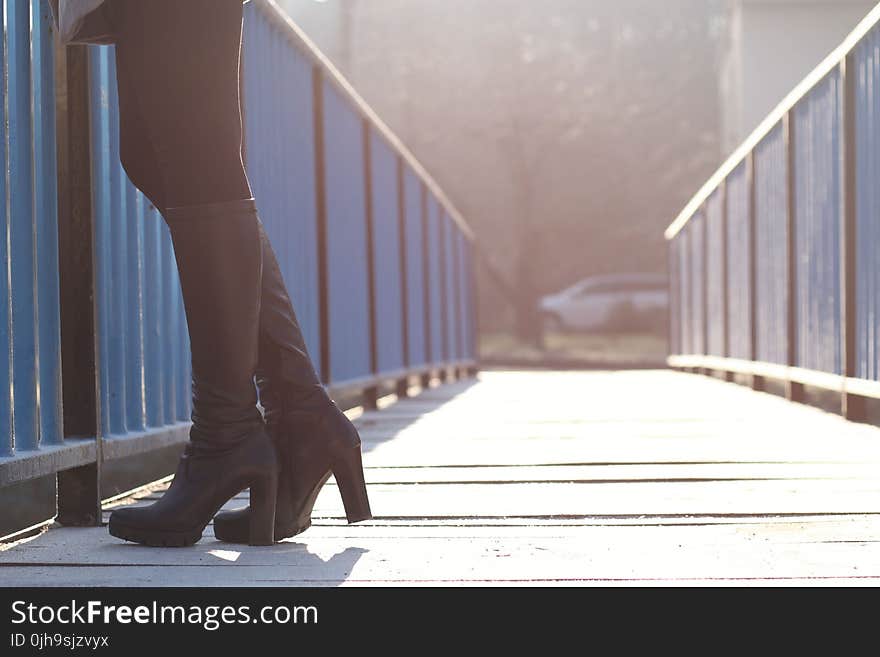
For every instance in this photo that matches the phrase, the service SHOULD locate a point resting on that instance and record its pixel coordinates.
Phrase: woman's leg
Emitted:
(158, 140)
(282, 349)
(178, 66)
(179, 63)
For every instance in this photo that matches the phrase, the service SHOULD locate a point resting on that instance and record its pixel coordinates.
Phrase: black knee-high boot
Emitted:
(219, 257)
(314, 437)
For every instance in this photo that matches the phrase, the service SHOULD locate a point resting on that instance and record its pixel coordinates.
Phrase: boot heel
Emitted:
(349, 473)
(262, 516)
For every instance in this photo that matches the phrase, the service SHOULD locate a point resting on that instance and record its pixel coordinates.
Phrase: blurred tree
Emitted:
(569, 132)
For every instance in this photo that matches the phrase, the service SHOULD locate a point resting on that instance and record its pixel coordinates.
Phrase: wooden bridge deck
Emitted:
(638, 477)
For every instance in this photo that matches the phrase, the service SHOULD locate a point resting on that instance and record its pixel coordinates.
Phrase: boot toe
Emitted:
(142, 525)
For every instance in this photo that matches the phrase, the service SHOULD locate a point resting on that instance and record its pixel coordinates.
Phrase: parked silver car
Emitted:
(614, 302)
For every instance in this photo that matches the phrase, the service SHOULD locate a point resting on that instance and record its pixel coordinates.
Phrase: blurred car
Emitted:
(615, 302)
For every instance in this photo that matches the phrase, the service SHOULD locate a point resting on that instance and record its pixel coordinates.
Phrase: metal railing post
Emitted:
(442, 218)
(371, 393)
(474, 307)
(704, 304)
(426, 287)
(402, 386)
(852, 406)
(757, 381)
(321, 212)
(725, 279)
(79, 495)
(671, 338)
(794, 391)
(459, 310)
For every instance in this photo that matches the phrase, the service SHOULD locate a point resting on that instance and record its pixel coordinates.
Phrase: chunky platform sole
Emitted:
(260, 532)
(153, 538)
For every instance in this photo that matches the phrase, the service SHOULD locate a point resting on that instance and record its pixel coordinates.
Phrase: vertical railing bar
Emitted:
(79, 499)
(19, 165)
(473, 302)
(403, 384)
(442, 256)
(426, 285)
(117, 239)
(169, 309)
(670, 286)
(794, 391)
(140, 224)
(725, 276)
(456, 287)
(46, 203)
(752, 266)
(35, 161)
(704, 304)
(321, 211)
(852, 406)
(370, 394)
(151, 319)
(9, 421)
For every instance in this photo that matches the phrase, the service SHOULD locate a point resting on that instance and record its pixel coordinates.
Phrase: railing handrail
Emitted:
(806, 85)
(299, 39)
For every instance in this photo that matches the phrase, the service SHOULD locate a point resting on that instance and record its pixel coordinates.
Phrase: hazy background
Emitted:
(571, 132)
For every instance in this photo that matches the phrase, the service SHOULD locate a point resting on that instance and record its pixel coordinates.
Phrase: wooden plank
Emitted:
(626, 478)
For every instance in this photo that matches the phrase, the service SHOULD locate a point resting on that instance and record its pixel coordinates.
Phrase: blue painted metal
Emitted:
(143, 352)
(739, 265)
(676, 326)
(867, 58)
(771, 248)
(415, 276)
(714, 219)
(386, 262)
(697, 258)
(817, 226)
(7, 438)
(469, 295)
(462, 286)
(346, 239)
(452, 318)
(435, 283)
(683, 257)
(30, 368)
(280, 149)
(22, 246)
(46, 217)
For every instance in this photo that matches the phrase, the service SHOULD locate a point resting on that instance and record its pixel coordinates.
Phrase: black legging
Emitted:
(179, 109)
(180, 142)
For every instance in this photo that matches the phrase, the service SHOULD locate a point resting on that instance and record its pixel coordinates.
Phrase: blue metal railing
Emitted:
(346, 235)
(738, 239)
(387, 267)
(30, 360)
(818, 223)
(332, 180)
(143, 350)
(799, 303)
(379, 263)
(416, 299)
(867, 166)
(771, 248)
(281, 128)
